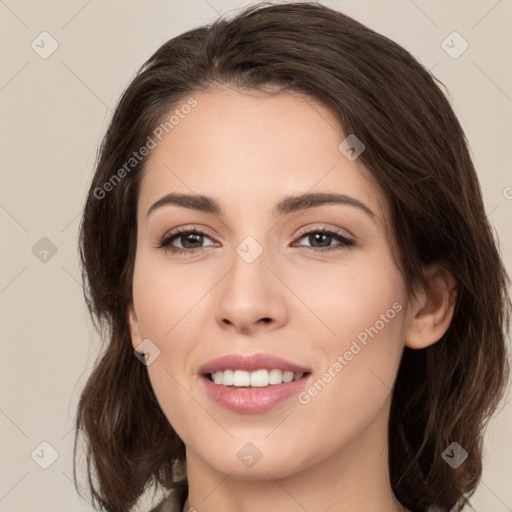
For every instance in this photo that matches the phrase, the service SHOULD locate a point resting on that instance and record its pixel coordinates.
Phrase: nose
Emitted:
(251, 296)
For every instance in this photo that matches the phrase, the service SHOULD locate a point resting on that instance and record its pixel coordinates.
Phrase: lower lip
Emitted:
(253, 400)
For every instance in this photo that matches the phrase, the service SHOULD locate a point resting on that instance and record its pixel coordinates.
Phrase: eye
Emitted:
(191, 241)
(324, 237)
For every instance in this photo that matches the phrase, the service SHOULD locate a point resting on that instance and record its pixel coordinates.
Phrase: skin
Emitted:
(248, 150)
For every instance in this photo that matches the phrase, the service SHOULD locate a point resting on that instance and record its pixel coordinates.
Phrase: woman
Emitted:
(305, 307)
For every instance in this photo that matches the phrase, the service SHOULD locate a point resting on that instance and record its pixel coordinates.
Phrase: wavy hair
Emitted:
(418, 154)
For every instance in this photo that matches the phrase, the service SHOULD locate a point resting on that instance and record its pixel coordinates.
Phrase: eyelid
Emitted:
(346, 241)
(325, 227)
(164, 244)
(301, 231)
(186, 229)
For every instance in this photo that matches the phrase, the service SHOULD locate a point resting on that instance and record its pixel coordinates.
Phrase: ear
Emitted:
(432, 312)
(133, 324)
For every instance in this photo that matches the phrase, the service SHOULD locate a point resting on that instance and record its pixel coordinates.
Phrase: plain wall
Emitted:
(54, 114)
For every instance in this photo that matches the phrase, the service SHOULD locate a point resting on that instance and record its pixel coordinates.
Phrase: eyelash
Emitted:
(164, 243)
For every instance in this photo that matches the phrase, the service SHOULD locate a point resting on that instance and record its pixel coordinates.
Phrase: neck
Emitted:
(353, 478)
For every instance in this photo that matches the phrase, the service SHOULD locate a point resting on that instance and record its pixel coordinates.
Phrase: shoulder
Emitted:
(170, 504)
(174, 502)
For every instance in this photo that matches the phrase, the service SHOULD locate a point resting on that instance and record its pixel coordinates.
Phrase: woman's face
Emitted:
(260, 279)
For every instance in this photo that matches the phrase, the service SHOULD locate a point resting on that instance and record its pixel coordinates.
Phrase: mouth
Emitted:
(252, 383)
(261, 378)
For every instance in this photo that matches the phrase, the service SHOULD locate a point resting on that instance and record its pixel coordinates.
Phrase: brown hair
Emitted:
(417, 152)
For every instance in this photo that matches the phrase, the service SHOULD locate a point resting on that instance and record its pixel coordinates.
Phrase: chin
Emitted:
(259, 459)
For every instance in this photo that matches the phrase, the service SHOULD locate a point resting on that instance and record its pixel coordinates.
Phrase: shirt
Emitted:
(176, 501)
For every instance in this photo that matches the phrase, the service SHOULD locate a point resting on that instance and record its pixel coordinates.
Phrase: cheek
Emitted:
(372, 323)
(364, 309)
(369, 299)
(358, 299)
(164, 300)
(165, 295)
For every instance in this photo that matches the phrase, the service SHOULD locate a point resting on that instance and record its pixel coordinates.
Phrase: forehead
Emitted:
(248, 149)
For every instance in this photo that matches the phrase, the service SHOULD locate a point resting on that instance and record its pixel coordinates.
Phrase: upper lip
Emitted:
(250, 363)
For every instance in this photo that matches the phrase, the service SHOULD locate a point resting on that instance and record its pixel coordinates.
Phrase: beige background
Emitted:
(54, 113)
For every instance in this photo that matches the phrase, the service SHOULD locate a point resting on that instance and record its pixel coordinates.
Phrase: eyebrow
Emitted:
(286, 205)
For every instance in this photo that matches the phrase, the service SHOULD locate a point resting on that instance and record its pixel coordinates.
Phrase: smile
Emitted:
(252, 383)
(259, 378)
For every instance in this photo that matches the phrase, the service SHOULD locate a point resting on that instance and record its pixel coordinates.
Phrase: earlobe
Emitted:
(432, 312)
(133, 324)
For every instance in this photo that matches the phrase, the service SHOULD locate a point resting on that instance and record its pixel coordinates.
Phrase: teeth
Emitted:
(227, 378)
(287, 376)
(275, 377)
(257, 379)
(241, 378)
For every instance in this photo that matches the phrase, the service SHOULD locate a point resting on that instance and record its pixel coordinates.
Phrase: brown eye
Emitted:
(320, 240)
(191, 241)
